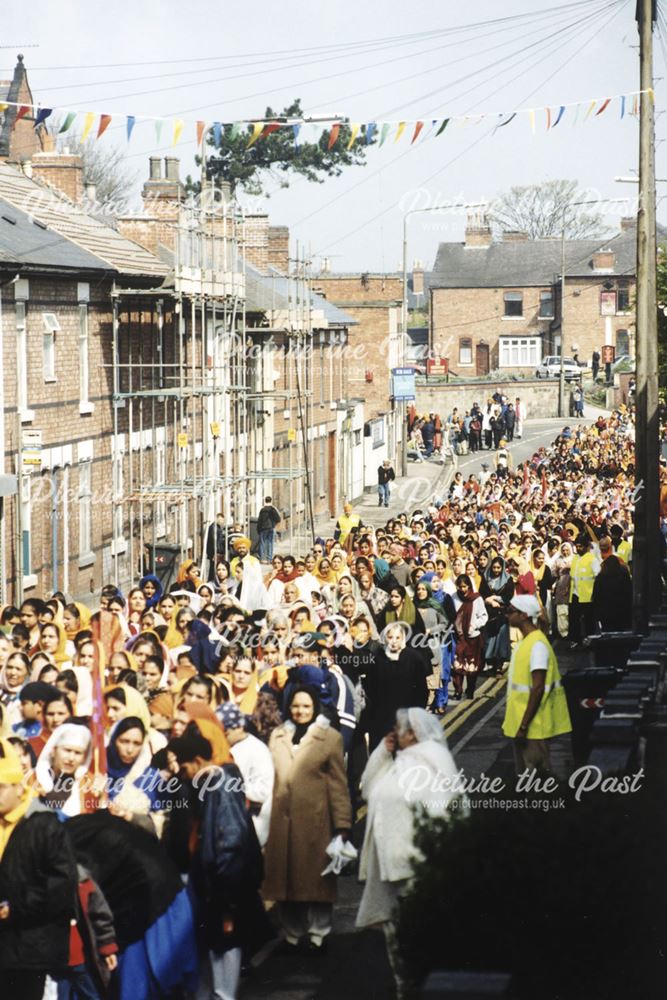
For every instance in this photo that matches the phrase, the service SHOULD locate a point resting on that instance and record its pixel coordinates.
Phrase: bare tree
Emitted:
(104, 166)
(541, 209)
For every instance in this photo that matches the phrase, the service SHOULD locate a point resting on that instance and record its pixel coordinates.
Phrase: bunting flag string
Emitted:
(87, 125)
(42, 115)
(354, 132)
(105, 121)
(178, 129)
(256, 132)
(372, 132)
(418, 127)
(67, 124)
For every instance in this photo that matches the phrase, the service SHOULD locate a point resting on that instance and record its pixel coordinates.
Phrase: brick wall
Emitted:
(539, 397)
(61, 171)
(278, 249)
(256, 241)
(56, 412)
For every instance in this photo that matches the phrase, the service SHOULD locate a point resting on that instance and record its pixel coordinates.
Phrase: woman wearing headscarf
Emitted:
(416, 745)
(14, 674)
(401, 608)
(53, 640)
(188, 575)
(133, 786)
(152, 589)
(61, 768)
(310, 805)
(543, 578)
(471, 617)
(497, 589)
(242, 685)
(396, 677)
(122, 701)
(76, 618)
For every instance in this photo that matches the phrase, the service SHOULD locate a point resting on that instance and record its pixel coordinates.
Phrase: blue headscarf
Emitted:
(153, 601)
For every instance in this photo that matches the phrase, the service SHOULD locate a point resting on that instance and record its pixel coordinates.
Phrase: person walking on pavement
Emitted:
(267, 521)
(215, 544)
(346, 523)
(386, 475)
(578, 398)
(595, 364)
(536, 708)
(519, 417)
(428, 435)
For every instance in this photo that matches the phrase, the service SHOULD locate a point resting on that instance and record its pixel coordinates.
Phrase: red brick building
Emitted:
(496, 305)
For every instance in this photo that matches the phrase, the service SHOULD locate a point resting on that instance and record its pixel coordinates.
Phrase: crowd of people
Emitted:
(220, 736)
(482, 427)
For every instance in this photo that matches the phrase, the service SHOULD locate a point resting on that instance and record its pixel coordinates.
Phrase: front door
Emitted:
(482, 358)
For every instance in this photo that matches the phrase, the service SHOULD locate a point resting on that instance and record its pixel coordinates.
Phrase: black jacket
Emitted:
(268, 518)
(38, 878)
(385, 475)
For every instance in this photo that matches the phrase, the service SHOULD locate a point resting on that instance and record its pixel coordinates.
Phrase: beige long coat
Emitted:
(310, 801)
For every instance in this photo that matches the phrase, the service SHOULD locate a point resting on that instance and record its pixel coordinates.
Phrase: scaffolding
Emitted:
(195, 397)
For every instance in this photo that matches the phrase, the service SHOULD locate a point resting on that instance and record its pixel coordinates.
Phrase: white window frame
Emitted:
(29, 578)
(85, 406)
(119, 543)
(51, 327)
(85, 510)
(519, 352)
(469, 346)
(160, 477)
(22, 357)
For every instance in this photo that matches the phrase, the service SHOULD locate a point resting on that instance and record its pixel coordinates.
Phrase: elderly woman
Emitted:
(61, 767)
(411, 765)
(14, 674)
(471, 617)
(395, 678)
(310, 805)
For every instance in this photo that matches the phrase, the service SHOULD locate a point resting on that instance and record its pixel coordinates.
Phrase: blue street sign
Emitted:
(403, 383)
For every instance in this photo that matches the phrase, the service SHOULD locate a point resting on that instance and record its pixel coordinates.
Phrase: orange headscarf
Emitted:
(215, 734)
(60, 656)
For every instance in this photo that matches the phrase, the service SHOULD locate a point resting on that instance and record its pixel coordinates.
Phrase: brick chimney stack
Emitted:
(163, 195)
(278, 250)
(478, 230)
(61, 171)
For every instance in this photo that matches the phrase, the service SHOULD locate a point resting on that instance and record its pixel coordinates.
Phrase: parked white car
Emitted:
(550, 368)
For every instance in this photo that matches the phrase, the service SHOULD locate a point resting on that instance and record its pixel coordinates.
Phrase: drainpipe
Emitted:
(54, 527)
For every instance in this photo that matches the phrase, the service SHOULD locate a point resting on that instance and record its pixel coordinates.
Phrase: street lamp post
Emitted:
(404, 308)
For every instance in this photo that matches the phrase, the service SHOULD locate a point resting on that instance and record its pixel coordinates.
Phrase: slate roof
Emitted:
(69, 220)
(27, 243)
(525, 263)
(267, 292)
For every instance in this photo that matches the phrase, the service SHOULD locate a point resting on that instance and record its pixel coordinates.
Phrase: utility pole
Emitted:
(646, 548)
(561, 380)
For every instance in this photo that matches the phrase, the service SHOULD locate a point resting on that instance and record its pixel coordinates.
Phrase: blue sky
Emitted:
(219, 60)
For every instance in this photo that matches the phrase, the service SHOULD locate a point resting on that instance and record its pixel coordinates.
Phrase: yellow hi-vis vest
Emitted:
(624, 552)
(581, 571)
(552, 717)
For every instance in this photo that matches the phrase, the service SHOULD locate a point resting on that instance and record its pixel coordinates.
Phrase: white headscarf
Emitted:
(72, 735)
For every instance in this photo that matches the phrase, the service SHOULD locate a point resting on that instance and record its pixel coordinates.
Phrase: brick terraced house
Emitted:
(496, 305)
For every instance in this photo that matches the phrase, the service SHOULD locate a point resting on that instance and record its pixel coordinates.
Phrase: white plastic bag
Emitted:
(342, 852)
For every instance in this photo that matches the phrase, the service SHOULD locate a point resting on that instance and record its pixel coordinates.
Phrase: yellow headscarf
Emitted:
(84, 614)
(134, 703)
(60, 656)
